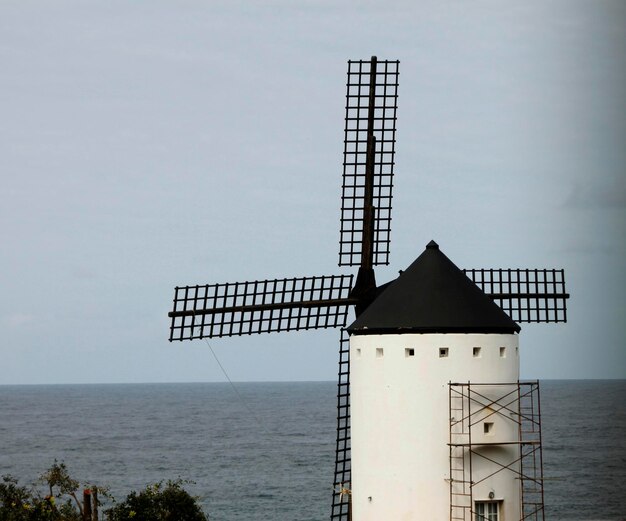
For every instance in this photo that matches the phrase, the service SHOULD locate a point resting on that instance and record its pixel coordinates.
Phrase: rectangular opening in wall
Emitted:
(358, 352)
(379, 352)
(409, 351)
(443, 352)
(476, 352)
(488, 427)
(503, 352)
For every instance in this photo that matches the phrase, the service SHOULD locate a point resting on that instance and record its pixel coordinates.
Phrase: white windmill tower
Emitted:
(428, 328)
(411, 415)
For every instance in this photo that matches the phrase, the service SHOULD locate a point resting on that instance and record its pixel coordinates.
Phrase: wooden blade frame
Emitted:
(245, 308)
(342, 484)
(526, 295)
(369, 155)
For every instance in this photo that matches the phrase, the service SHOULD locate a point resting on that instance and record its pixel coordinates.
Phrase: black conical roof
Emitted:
(433, 296)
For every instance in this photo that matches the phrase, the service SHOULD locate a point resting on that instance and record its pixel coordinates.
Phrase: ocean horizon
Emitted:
(265, 450)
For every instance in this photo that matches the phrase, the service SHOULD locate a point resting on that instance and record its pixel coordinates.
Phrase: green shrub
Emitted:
(158, 502)
(18, 503)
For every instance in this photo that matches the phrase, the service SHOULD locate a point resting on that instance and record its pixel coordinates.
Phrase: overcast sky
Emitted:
(145, 144)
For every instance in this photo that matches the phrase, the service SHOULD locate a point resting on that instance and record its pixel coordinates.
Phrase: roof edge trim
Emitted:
(431, 330)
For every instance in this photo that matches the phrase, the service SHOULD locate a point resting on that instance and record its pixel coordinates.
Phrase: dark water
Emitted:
(584, 449)
(267, 453)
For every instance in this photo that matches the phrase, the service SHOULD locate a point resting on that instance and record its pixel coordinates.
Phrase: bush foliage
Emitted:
(157, 502)
(19, 503)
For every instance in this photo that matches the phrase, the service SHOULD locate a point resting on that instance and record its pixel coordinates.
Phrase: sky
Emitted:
(149, 144)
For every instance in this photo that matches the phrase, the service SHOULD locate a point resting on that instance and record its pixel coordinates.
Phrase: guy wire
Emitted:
(250, 411)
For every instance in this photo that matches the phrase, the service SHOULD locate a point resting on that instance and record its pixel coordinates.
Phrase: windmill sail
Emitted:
(526, 295)
(342, 482)
(263, 306)
(370, 130)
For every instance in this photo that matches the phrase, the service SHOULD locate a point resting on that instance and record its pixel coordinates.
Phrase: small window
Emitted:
(503, 352)
(409, 351)
(379, 352)
(488, 427)
(358, 352)
(443, 352)
(487, 510)
(476, 352)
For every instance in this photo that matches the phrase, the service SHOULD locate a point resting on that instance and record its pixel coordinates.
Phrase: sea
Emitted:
(265, 451)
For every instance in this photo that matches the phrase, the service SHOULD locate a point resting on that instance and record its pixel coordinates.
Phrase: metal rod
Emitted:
(504, 296)
(263, 307)
(541, 508)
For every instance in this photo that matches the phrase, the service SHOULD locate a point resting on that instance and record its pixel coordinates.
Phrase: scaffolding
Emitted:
(518, 405)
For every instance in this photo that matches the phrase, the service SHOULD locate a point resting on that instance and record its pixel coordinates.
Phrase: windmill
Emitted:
(289, 304)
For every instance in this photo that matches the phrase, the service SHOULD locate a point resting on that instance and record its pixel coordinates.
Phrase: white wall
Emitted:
(400, 422)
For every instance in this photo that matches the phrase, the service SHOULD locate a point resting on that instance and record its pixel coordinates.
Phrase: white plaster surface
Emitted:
(400, 423)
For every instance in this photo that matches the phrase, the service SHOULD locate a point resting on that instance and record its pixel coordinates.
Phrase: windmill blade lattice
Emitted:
(264, 306)
(342, 483)
(526, 295)
(371, 107)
